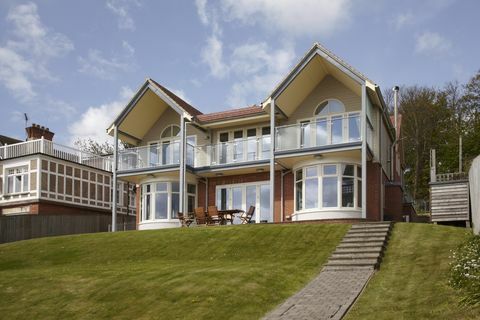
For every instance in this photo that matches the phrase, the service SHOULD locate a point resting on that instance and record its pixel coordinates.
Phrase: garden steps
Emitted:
(362, 247)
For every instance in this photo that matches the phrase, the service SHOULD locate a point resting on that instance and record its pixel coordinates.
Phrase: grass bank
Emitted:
(238, 272)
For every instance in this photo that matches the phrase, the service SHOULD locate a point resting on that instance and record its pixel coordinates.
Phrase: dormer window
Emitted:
(329, 106)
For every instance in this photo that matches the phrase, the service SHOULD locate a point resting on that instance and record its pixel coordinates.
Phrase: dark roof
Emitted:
(7, 140)
(182, 103)
(230, 114)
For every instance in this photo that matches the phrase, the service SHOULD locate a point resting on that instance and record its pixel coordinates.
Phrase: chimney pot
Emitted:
(36, 131)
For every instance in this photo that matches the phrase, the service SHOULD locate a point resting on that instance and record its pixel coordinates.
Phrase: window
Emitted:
(171, 131)
(329, 107)
(266, 142)
(163, 200)
(17, 180)
(328, 186)
(353, 127)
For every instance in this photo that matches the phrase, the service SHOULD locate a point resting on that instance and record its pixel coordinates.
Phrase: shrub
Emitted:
(465, 270)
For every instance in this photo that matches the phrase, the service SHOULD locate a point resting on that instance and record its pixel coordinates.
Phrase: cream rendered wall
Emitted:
(328, 88)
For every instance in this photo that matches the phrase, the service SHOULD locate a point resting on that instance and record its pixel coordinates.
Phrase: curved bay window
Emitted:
(328, 186)
(161, 200)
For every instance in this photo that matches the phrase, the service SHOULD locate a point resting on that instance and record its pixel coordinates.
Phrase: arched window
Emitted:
(171, 131)
(328, 107)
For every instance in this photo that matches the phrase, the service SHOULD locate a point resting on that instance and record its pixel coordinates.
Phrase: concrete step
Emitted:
(365, 235)
(354, 250)
(368, 230)
(371, 226)
(363, 239)
(354, 256)
(353, 262)
(347, 268)
(366, 244)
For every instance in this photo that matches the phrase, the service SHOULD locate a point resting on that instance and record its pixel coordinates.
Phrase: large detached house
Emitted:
(321, 146)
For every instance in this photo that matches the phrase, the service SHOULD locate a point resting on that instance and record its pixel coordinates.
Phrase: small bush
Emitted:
(465, 270)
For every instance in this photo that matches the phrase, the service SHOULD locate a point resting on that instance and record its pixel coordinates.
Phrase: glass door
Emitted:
(251, 144)
(305, 134)
(321, 131)
(223, 146)
(238, 146)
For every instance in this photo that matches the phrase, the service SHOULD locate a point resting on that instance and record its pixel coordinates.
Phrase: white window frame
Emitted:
(6, 176)
(244, 186)
(339, 175)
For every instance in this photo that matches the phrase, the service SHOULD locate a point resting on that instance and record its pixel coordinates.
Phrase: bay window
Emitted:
(328, 186)
(161, 200)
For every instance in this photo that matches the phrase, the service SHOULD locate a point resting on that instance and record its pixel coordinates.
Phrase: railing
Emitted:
(321, 132)
(237, 151)
(154, 155)
(56, 150)
(446, 177)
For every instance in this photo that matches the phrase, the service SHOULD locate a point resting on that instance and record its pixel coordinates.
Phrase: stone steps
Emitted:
(361, 248)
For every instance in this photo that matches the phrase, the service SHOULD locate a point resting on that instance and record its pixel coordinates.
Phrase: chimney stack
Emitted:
(36, 131)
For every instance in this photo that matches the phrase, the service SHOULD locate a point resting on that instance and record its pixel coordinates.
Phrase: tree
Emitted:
(95, 147)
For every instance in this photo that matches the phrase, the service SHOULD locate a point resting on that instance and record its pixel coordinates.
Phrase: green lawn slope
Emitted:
(413, 280)
(238, 272)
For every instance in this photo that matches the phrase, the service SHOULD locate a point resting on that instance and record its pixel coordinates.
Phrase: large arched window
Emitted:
(328, 107)
(171, 132)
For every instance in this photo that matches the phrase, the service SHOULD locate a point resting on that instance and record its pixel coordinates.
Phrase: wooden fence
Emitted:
(22, 227)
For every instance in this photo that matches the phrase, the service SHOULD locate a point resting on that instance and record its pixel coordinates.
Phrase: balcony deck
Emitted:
(42, 146)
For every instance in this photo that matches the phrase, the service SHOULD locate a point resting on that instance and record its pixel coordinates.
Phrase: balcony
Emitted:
(161, 154)
(56, 150)
(233, 152)
(332, 130)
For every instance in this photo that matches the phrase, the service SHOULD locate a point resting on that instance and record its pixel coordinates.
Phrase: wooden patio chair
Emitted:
(184, 220)
(247, 216)
(212, 215)
(200, 216)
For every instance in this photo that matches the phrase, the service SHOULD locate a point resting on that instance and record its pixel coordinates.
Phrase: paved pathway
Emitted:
(335, 289)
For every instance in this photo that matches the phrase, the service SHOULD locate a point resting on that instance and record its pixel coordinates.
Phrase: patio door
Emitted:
(223, 146)
(242, 196)
(238, 145)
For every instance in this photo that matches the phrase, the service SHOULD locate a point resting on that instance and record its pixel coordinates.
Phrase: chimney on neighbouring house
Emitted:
(36, 131)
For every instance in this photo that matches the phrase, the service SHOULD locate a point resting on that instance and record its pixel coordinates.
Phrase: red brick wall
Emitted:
(201, 194)
(374, 185)
(393, 202)
(288, 194)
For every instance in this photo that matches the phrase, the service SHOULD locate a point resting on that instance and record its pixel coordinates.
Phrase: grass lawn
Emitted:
(413, 280)
(238, 272)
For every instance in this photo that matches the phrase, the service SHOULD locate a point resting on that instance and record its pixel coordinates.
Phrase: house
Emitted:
(321, 146)
(41, 177)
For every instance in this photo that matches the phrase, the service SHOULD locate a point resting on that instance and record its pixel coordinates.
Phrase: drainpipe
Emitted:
(114, 179)
(395, 141)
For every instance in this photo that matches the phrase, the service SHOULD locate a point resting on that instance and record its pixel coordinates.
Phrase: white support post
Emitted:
(114, 180)
(272, 157)
(42, 145)
(182, 164)
(364, 151)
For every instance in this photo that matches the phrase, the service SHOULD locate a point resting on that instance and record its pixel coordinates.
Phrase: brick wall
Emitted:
(393, 202)
(374, 185)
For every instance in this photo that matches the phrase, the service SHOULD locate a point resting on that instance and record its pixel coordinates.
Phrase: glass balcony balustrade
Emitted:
(332, 130)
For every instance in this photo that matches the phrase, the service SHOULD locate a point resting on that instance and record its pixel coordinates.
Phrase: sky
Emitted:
(73, 65)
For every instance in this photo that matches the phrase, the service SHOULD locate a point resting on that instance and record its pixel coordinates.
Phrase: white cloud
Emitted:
(121, 8)
(95, 120)
(432, 43)
(212, 55)
(25, 56)
(403, 19)
(97, 65)
(294, 18)
(260, 68)
(202, 11)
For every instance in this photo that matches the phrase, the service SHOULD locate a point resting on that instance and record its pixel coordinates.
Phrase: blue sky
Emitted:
(71, 65)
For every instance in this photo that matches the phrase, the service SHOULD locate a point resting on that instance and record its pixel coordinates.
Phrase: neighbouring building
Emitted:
(321, 146)
(39, 176)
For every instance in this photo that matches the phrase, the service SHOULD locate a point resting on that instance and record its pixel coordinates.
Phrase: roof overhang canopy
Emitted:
(142, 112)
(308, 73)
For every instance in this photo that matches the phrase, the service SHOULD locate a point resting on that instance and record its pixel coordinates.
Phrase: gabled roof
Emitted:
(181, 103)
(231, 114)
